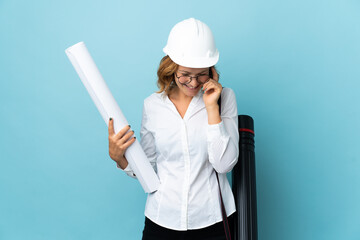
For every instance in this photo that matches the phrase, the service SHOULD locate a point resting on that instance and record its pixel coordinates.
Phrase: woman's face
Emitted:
(192, 88)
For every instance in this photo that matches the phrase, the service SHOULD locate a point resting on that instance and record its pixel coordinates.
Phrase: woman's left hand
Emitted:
(212, 90)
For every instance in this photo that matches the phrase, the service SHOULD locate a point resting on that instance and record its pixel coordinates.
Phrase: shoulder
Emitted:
(155, 97)
(154, 100)
(228, 94)
(228, 102)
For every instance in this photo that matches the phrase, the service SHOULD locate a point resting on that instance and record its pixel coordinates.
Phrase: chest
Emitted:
(175, 135)
(181, 107)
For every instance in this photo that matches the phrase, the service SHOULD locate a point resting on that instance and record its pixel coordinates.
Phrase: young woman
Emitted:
(186, 139)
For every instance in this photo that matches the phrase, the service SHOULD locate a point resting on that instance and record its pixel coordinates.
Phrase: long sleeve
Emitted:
(223, 138)
(147, 143)
(188, 197)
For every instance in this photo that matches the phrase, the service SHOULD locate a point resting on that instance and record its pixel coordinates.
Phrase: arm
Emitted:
(223, 137)
(148, 145)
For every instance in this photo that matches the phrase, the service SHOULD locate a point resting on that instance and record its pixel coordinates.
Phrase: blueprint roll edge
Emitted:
(99, 92)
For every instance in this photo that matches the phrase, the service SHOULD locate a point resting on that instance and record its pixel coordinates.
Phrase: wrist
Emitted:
(122, 162)
(212, 107)
(213, 114)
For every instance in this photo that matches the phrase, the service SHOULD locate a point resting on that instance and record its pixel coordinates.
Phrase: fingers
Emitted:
(125, 141)
(118, 143)
(122, 132)
(128, 143)
(111, 127)
(212, 85)
(215, 74)
(125, 137)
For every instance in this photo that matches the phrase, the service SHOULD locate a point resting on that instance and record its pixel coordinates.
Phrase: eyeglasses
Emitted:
(185, 79)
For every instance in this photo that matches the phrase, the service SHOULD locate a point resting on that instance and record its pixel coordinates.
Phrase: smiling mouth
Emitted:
(191, 88)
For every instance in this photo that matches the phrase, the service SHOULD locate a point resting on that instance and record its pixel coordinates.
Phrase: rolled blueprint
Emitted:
(99, 92)
(244, 183)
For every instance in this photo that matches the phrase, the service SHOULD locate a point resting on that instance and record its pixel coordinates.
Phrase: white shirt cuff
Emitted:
(216, 131)
(128, 170)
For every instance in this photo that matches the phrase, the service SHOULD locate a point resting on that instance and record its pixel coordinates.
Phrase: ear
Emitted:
(214, 74)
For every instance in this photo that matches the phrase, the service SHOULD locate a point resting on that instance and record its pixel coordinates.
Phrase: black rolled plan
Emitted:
(244, 183)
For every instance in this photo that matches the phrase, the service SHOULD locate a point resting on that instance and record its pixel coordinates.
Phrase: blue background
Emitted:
(294, 66)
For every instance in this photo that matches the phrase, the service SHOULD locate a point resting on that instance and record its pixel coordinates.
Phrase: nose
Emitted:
(193, 83)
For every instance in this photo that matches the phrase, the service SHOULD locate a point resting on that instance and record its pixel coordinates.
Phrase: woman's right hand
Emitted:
(118, 143)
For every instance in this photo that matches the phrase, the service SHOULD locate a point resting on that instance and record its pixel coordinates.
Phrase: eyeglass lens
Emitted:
(187, 79)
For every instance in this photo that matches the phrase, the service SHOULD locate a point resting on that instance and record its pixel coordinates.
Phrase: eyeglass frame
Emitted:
(196, 78)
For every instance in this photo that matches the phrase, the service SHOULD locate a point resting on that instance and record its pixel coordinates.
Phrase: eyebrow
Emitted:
(190, 72)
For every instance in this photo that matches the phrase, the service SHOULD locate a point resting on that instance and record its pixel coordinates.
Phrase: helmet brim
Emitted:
(193, 62)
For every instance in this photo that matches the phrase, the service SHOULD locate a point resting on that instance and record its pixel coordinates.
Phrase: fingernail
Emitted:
(129, 126)
(135, 137)
(201, 88)
(110, 119)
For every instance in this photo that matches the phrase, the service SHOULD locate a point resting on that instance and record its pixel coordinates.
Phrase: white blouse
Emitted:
(185, 152)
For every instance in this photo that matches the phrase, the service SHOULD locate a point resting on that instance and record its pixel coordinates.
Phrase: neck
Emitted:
(178, 95)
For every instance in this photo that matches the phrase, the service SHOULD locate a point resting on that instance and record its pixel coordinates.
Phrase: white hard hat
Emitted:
(191, 44)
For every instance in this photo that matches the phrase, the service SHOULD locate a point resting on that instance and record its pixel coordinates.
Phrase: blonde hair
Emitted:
(166, 78)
